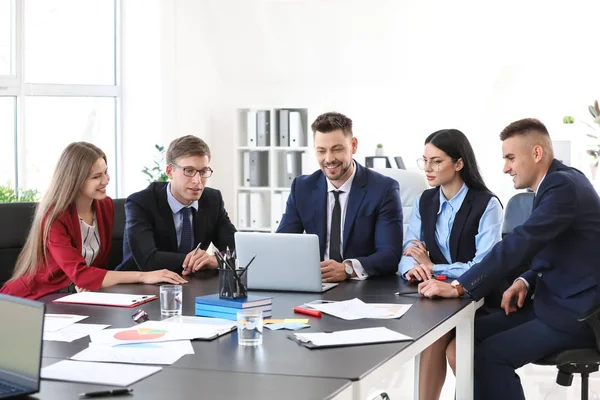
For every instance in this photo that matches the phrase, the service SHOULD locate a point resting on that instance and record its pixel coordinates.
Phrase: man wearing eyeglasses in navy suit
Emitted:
(171, 224)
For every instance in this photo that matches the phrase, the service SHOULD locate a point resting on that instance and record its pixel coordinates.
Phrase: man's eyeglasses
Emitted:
(434, 164)
(191, 172)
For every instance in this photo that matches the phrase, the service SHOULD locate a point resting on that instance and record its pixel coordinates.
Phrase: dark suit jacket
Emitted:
(150, 240)
(561, 239)
(373, 226)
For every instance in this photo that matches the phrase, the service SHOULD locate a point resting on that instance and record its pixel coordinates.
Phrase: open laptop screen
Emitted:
(21, 333)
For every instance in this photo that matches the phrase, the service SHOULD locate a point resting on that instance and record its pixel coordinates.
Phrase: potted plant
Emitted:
(379, 150)
(157, 172)
(595, 150)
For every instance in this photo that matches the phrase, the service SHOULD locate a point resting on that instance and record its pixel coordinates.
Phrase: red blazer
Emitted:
(65, 264)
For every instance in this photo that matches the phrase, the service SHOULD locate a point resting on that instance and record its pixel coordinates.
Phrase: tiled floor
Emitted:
(538, 382)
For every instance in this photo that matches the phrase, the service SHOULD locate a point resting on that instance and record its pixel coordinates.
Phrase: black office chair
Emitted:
(574, 361)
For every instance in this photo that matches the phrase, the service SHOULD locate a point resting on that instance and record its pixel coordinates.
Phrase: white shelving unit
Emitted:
(267, 159)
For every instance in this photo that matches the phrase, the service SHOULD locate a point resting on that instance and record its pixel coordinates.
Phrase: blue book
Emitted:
(250, 301)
(230, 310)
(231, 317)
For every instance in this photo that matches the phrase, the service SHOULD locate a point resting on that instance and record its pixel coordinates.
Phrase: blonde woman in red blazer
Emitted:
(56, 253)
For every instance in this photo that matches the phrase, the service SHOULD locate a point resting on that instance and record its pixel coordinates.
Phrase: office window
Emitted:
(6, 37)
(59, 77)
(70, 42)
(7, 138)
(54, 122)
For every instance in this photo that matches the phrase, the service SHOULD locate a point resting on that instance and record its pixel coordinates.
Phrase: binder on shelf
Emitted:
(293, 167)
(296, 130)
(251, 129)
(284, 198)
(246, 169)
(263, 128)
(284, 128)
(243, 209)
(258, 168)
(257, 216)
(276, 210)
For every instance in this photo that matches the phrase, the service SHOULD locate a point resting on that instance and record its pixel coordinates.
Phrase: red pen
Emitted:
(307, 311)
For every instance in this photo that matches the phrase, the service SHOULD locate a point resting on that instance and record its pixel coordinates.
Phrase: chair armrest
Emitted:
(592, 317)
(589, 313)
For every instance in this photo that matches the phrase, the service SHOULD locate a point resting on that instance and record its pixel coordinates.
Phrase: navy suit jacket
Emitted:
(373, 226)
(561, 241)
(150, 240)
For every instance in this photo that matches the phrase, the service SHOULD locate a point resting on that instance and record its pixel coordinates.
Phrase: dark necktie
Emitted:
(335, 236)
(185, 246)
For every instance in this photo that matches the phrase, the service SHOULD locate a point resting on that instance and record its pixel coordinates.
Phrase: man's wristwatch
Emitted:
(349, 270)
(459, 288)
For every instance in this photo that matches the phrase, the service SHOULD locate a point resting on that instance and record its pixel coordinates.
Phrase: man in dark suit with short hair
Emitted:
(356, 212)
(166, 221)
(560, 241)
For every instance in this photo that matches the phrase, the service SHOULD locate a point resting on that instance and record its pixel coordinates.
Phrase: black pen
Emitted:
(105, 393)
(247, 265)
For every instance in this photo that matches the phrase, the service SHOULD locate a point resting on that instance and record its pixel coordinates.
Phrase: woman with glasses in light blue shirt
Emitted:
(452, 227)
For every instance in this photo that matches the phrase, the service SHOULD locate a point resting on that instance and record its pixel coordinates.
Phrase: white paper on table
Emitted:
(99, 373)
(352, 336)
(182, 319)
(356, 309)
(389, 311)
(135, 353)
(177, 346)
(55, 322)
(73, 332)
(157, 331)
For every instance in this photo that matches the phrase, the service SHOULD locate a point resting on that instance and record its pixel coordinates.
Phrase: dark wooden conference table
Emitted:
(281, 368)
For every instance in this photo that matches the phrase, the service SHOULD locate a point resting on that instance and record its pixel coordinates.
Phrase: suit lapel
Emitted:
(200, 220)
(357, 194)
(166, 214)
(319, 195)
(554, 166)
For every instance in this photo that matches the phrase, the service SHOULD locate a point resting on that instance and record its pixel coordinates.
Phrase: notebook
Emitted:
(106, 299)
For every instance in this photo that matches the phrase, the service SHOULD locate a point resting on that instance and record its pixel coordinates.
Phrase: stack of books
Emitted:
(216, 307)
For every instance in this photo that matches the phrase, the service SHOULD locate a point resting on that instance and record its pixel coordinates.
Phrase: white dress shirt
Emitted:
(343, 198)
(90, 240)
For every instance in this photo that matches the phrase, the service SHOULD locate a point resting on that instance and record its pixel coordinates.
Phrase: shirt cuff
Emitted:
(361, 275)
(524, 281)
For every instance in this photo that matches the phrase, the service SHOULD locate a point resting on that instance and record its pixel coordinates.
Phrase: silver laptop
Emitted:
(21, 333)
(284, 261)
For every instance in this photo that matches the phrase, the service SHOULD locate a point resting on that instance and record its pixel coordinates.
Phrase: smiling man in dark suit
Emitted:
(560, 242)
(355, 211)
(166, 221)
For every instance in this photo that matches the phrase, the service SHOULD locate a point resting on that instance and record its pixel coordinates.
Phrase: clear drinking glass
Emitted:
(249, 328)
(171, 299)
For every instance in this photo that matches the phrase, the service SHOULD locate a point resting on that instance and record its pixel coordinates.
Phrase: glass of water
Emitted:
(171, 299)
(250, 328)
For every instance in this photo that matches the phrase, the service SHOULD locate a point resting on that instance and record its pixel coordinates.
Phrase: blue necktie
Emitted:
(186, 244)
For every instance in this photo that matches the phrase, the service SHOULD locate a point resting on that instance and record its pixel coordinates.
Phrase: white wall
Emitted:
(399, 69)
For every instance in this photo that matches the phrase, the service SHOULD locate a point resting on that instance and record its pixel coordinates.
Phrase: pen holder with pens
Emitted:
(232, 282)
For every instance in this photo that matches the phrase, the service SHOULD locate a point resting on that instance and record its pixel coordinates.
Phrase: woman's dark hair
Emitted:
(454, 143)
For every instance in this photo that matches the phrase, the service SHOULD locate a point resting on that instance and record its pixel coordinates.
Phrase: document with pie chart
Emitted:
(157, 331)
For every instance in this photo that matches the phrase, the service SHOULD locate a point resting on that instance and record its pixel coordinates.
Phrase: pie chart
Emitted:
(140, 334)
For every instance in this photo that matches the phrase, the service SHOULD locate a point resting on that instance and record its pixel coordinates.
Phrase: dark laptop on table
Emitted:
(21, 338)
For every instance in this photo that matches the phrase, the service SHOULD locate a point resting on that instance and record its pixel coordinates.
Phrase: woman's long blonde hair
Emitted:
(73, 168)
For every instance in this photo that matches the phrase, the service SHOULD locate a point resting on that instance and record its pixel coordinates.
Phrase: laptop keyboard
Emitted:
(6, 388)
